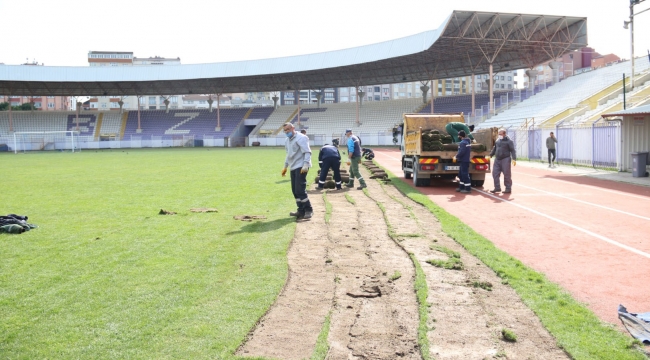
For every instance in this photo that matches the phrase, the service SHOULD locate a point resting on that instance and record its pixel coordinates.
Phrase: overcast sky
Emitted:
(61, 32)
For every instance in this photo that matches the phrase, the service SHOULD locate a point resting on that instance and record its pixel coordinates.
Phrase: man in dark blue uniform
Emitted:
(329, 158)
(462, 157)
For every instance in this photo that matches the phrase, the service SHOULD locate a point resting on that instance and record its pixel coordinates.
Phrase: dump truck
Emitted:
(428, 151)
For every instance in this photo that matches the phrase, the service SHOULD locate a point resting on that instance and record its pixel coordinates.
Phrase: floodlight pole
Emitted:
(632, 43)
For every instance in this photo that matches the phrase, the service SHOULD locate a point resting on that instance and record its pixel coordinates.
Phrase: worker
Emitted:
(550, 145)
(354, 159)
(367, 153)
(504, 150)
(299, 161)
(329, 158)
(462, 157)
(453, 128)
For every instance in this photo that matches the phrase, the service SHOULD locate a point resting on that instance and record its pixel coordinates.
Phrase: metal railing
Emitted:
(594, 144)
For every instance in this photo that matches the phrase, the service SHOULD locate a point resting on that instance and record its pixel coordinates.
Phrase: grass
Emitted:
(396, 275)
(350, 199)
(322, 347)
(453, 261)
(328, 209)
(485, 285)
(449, 252)
(104, 276)
(509, 335)
(422, 293)
(577, 330)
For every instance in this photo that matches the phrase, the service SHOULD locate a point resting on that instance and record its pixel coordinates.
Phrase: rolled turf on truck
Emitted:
(428, 150)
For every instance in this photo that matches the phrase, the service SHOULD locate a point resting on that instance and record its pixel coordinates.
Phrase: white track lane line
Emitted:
(589, 186)
(599, 237)
(584, 202)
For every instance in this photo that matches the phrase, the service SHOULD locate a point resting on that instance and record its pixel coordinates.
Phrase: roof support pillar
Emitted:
(491, 90)
(432, 99)
(298, 100)
(275, 99)
(79, 105)
(139, 130)
(11, 120)
(473, 85)
(425, 90)
(218, 128)
(319, 95)
(360, 94)
(532, 75)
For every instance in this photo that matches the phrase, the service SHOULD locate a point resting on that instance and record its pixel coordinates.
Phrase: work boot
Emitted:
(458, 189)
(465, 191)
(294, 213)
(308, 215)
(362, 187)
(550, 166)
(350, 184)
(494, 191)
(508, 191)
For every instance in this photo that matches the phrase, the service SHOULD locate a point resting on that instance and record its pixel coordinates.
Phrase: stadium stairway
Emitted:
(278, 117)
(98, 126)
(556, 101)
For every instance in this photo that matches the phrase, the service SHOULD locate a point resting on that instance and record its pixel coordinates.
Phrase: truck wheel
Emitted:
(407, 174)
(478, 183)
(417, 181)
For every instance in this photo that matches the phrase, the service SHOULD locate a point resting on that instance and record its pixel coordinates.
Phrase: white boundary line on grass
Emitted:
(597, 236)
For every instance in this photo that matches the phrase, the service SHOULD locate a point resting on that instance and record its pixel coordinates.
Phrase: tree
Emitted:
(4, 106)
(23, 107)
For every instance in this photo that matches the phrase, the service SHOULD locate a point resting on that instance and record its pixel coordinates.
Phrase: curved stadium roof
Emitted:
(464, 44)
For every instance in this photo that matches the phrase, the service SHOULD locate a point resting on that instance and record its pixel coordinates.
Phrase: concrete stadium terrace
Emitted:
(467, 43)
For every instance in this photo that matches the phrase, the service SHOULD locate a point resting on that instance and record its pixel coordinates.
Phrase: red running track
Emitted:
(588, 235)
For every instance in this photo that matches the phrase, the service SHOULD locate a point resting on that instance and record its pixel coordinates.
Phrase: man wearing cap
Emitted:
(504, 153)
(462, 157)
(299, 161)
(354, 159)
(453, 128)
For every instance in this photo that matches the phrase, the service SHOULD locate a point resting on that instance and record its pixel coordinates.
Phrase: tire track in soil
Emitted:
(373, 317)
(290, 328)
(466, 322)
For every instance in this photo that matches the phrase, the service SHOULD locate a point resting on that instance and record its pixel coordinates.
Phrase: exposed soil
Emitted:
(348, 267)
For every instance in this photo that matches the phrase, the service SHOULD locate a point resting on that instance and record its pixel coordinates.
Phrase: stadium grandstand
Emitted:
(576, 98)
(466, 44)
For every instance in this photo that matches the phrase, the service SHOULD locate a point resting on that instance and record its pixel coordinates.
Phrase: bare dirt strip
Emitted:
(588, 235)
(353, 268)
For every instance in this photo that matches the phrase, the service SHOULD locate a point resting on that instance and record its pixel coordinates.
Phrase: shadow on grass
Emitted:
(283, 181)
(261, 226)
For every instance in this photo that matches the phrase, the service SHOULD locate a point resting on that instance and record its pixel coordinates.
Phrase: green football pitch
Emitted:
(105, 276)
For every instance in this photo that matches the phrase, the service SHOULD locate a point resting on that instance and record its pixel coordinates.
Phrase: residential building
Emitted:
(42, 103)
(126, 58)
